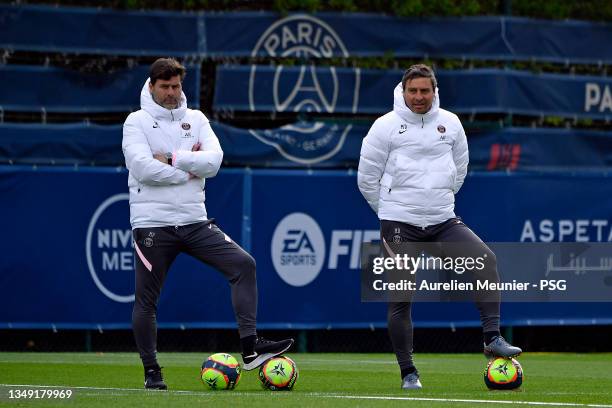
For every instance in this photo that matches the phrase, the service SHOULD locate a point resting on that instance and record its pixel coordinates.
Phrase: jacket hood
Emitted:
(158, 112)
(404, 112)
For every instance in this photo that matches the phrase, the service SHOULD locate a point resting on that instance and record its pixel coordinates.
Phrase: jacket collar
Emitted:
(404, 112)
(158, 112)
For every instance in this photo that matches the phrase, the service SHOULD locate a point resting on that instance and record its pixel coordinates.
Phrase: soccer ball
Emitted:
(220, 371)
(503, 374)
(278, 374)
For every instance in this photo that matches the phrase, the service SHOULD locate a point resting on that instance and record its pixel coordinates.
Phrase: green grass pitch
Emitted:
(326, 380)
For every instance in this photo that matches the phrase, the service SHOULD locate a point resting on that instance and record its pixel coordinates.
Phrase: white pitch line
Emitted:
(319, 395)
(470, 401)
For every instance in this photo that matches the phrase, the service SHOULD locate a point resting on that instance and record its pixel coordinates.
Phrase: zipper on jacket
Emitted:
(172, 115)
(422, 122)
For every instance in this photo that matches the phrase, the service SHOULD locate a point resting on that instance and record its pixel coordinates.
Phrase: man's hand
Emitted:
(161, 157)
(195, 148)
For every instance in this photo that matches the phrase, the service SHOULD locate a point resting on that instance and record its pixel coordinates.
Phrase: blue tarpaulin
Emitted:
(323, 35)
(305, 144)
(33, 88)
(98, 31)
(353, 90)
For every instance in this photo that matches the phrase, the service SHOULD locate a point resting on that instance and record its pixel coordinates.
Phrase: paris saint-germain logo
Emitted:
(303, 88)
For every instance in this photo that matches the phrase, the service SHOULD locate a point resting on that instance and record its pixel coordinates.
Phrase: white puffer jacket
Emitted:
(412, 164)
(160, 194)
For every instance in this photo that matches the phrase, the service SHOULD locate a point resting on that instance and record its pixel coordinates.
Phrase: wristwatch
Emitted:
(169, 158)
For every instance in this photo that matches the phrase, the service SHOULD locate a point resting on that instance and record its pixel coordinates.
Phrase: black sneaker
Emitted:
(265, 350)
(154, 380)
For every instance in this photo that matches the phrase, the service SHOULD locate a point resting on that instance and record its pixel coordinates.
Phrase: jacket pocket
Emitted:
(386, 182)
(453, 172)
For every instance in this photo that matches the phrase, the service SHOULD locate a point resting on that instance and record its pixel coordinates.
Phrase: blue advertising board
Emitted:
(67, 261)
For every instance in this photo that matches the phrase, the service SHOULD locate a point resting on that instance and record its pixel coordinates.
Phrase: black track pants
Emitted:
(157, 248)
(399, 319)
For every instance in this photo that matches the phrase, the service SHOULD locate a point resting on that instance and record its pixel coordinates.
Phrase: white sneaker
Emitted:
(412, 382)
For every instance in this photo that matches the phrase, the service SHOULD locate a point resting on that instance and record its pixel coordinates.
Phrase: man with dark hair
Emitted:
(169, 151)
(413, 161)
(419, 71)
(166, 68)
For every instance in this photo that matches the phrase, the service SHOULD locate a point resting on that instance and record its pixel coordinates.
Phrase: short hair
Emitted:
(419, 71)
(166, 68)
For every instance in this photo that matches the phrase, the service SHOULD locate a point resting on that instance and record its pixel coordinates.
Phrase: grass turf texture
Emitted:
(338, 380)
